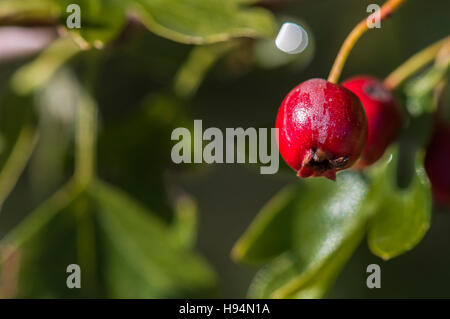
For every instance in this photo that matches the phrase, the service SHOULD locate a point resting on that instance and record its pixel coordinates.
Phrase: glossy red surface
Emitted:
(322, 128)
(384, 118)
(437, 164)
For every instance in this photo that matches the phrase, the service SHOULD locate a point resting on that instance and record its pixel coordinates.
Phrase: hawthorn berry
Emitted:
(384, 118)
(322, 128)
(436, 163)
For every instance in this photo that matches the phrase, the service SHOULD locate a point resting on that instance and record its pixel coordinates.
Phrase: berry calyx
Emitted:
(436, 164)
(322, 128)
(384, 118)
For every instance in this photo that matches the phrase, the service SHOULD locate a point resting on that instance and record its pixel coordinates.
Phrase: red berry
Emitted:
(322, 128)
(436, 164)
(384, 119)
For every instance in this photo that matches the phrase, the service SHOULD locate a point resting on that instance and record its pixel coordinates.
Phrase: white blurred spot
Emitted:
(22, 41)
(292, 38)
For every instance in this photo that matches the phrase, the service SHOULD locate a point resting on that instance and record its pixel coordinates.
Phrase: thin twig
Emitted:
(414, 64)
(386, 10)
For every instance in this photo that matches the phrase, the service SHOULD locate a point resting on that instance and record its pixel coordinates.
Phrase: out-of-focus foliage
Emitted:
(308, 233)
(123, 248)
(101, 19)
(14, 11)
(420, 90)
(204, 21)
(38, 73)
(197, 22)
(200, 60)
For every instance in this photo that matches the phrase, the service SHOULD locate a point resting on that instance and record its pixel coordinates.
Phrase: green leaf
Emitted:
(288, 277)
(402, 216)
(322, 223)
(204, 21)
(270, 232)
(135, 241)
(328, 213)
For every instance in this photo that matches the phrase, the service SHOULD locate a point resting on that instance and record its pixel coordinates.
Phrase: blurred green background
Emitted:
(138, 108)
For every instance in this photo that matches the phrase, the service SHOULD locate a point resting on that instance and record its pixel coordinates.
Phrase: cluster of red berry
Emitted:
(326, 127)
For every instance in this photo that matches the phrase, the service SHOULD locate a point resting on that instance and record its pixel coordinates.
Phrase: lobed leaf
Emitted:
(122, 249)
(403, 215)
(136, 239)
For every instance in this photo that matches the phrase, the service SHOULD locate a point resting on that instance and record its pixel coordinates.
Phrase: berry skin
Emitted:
(322, 128)
(436, 164)
(384, 118)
